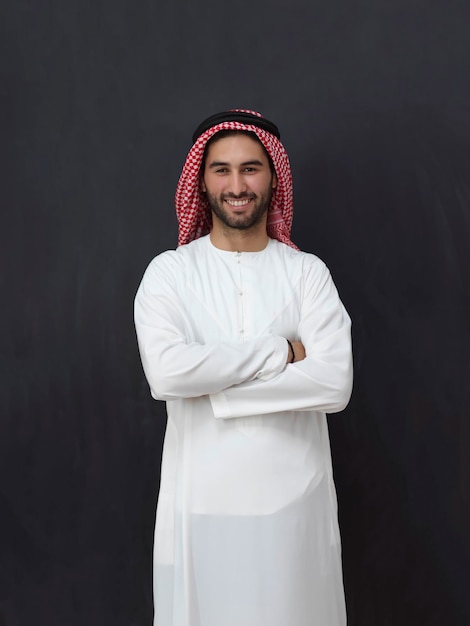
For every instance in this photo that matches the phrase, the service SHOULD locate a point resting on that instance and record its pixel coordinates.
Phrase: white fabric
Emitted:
(246, 531)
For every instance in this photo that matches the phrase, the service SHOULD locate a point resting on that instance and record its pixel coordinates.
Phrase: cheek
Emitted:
(214, 188)
(266, 188)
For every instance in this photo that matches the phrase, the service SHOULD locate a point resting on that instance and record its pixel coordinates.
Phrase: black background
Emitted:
(98, 103)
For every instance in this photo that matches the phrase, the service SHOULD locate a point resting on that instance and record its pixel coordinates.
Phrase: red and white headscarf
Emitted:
(192, 208)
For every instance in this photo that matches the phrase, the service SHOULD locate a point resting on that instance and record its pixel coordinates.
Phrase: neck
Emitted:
(233, 240)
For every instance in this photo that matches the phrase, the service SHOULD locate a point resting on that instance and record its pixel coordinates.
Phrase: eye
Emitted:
(221, 170)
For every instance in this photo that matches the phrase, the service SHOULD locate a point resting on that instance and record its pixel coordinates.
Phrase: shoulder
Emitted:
(304, 263)
(176, 259)
(171, 266)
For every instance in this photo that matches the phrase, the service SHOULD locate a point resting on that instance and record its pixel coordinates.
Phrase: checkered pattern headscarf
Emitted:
(192, 208)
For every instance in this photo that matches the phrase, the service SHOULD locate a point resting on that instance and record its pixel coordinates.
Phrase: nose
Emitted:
(237, 184)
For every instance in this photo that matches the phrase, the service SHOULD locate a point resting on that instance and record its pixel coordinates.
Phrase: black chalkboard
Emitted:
(98, 103)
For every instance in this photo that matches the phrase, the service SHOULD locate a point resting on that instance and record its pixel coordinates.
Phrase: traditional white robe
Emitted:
(246, 531)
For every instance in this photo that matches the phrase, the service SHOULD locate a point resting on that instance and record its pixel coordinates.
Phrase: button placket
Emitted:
(241, 307)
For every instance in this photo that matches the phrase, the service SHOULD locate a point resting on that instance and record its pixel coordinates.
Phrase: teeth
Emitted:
(238, 202)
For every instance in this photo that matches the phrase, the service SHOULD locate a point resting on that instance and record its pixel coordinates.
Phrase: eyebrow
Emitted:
(244, 164)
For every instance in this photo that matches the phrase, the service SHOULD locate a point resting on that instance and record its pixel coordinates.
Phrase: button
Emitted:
(241, 331)
(240, 293)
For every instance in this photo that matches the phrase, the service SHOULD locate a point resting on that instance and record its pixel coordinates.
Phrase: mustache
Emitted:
(240, 196)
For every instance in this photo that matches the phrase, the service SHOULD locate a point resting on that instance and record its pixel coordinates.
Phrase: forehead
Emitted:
(236, 149)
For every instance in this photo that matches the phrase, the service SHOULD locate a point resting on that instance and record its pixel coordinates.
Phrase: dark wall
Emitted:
(98, 102)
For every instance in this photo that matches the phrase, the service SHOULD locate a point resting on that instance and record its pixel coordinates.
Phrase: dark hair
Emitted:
(226, 133)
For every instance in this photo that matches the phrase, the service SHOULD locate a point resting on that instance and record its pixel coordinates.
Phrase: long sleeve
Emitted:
(178, 368)
(322, 381)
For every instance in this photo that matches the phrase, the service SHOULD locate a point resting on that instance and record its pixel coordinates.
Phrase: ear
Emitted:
(202, 185)
(274, 182)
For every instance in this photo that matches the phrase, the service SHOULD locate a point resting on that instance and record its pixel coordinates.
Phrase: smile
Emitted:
(238, 203)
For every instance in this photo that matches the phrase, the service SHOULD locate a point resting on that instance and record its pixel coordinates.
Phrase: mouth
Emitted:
(238, 204)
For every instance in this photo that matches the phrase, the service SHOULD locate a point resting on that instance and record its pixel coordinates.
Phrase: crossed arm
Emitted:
(251, 377)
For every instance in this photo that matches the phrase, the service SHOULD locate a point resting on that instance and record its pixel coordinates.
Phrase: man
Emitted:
(246, 339)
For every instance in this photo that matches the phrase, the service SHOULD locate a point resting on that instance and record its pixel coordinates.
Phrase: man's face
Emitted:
(238, 181)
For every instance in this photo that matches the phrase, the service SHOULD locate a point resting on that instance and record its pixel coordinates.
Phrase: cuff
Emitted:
(220, 405)
(276, 362)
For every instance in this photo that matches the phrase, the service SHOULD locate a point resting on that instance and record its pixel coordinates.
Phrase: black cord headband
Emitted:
(236, 116)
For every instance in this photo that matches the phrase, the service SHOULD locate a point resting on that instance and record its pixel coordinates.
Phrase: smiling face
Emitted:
(238, 181)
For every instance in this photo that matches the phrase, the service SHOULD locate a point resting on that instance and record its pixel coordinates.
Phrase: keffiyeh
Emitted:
(192, 209)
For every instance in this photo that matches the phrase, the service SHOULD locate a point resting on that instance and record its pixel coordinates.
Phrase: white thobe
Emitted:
(246, 531)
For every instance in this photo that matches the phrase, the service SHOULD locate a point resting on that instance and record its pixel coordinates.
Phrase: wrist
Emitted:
(291, 351)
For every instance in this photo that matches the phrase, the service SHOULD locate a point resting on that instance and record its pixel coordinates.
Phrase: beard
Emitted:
(245, 220)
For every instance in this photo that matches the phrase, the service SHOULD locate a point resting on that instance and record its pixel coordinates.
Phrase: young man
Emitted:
(246, 339)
